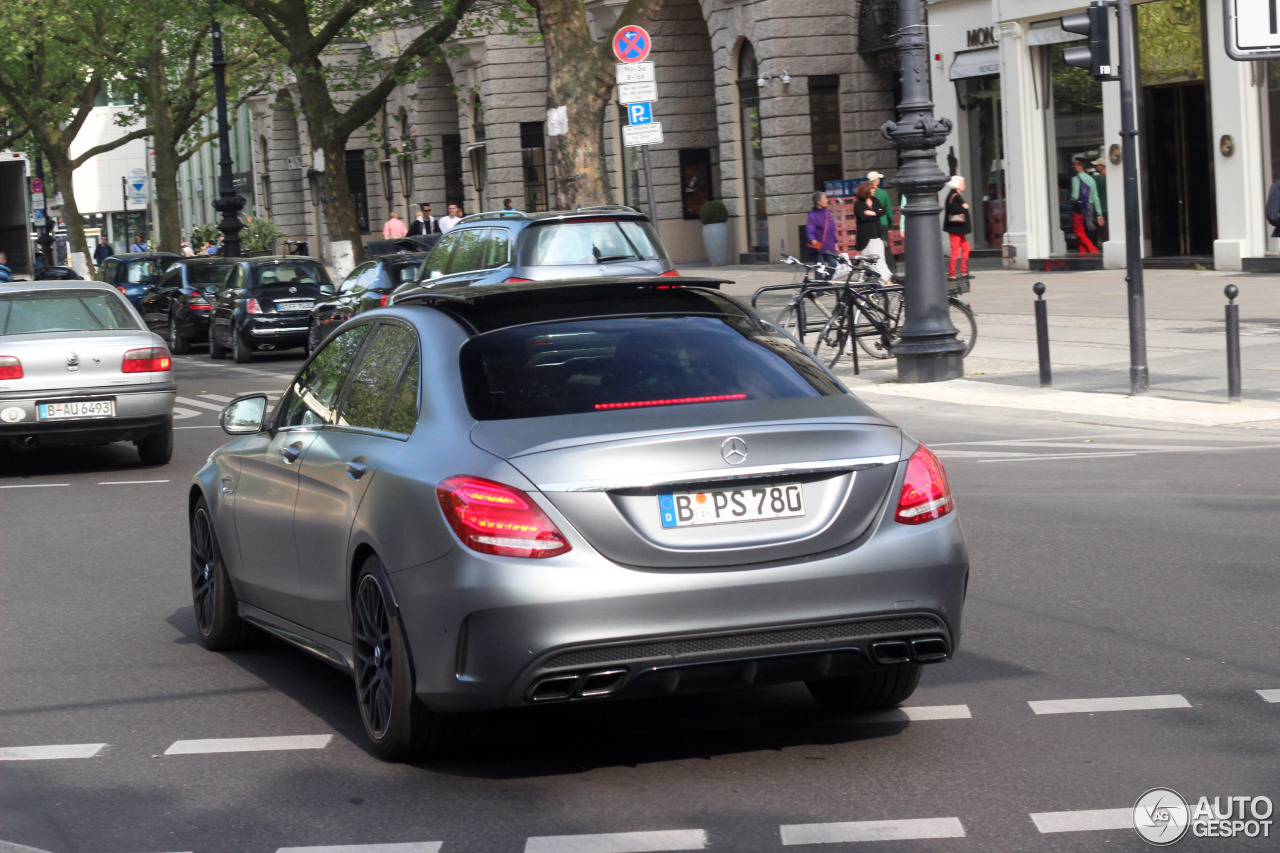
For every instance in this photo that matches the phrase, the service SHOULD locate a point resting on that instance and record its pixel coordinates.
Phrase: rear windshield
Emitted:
(582, 242)
(298, 274)
(612, 363)
(145, 270)
(202, 275)
(63, 311)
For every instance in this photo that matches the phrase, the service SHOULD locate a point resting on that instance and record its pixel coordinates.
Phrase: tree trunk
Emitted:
(165, 138)
(62, 172)
(322, 117)
(580, 80)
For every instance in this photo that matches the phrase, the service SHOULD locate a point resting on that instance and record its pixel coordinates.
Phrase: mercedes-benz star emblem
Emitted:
(734, 450)
(73, 361)
(293, 290)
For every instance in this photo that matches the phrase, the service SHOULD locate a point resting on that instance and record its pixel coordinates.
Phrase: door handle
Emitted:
(292, 452)
(357, 469)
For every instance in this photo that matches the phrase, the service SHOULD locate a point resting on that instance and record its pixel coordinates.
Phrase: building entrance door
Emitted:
(1178, 166)
(980, 99)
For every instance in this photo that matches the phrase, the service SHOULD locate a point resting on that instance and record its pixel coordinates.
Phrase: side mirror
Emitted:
(244, 415)
(211, 290)
(328, 289)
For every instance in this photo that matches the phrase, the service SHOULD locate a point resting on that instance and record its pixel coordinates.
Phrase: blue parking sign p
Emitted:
(639, 113)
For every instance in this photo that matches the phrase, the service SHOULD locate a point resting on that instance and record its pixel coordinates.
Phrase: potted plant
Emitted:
(260, 236)
(715, 232)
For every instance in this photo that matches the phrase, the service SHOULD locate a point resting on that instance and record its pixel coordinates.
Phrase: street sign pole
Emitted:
(648, 185)
(637, 90)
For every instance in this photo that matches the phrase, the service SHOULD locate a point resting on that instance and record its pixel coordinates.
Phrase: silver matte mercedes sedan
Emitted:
(574, 492)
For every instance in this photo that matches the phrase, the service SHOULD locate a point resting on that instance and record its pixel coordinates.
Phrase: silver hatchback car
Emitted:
(571, 492)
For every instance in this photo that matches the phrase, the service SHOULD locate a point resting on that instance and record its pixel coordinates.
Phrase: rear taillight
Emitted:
(669, 273)
(382, 302)
(514, 280)
(146, 360)
(10, 367)
(197, 302)
(495, 519)
(252, 306)
(122, 288)
(926, 495)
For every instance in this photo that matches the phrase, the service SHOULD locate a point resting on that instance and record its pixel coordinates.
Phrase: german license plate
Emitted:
(726, 506)
(294, 306)
(75, 409)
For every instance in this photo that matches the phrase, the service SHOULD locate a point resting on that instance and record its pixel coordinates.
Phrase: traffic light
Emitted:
(1094, 23)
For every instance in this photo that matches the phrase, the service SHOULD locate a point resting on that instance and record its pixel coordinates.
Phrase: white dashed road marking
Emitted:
(1114, 703)
(921, 712)
(34, 485)
(52, 751)
(130, 482)
(248, 744)
(1083, 821)
(872, 830)
(1270, 695)
(411, 847)
(620, 842)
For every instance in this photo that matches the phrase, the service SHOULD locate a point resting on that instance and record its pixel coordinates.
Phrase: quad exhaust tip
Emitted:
(577, 685)
(917, 649)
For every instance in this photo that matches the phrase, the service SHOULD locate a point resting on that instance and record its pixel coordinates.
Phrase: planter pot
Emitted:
(715, 238)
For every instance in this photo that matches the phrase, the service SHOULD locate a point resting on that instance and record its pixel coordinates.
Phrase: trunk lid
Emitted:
(610, 473)
(97, 357)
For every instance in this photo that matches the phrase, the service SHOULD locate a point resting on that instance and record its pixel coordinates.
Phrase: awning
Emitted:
(976, 63)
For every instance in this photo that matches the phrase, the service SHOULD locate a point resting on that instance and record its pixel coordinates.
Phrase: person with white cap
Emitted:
(886, 220)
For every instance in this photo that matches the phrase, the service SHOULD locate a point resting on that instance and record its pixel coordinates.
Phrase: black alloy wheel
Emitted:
(398, 725)
(217, 621)
(179, 344)
(241, 352)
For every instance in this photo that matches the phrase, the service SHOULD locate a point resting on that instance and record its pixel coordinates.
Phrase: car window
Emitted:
(405, 273)
(108, 271)
(581, 242)
(469, 253)
(610, 363)
(352, 281)
(203, 275)
(144, 271)
(403, 416)
(309, 401)
(497, 252)
(373, 382)
(290, 273)
(438, 261)
(64, 311)
(172, 278)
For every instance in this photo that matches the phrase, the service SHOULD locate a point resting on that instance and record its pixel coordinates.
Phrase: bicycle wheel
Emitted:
(832, 339)
(788, 320)
(875, 342)
(962, 318)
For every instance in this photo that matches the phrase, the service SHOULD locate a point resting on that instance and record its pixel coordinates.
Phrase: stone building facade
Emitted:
(761, 102)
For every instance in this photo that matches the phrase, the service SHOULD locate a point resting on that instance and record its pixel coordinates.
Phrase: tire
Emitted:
(832, 339)
(869, 339)
(872, 691)
(788, 320)
(179, 344)
(216, 349)
(157, 448)
(962, 318)
(241, 353)
(397, 724)
(217, 622)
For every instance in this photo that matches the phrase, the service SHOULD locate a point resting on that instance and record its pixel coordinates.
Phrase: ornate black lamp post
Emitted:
(227, 203)
(928, 350)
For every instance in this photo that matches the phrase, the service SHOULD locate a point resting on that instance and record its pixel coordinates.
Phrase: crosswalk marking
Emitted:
(872, 830)
(620, 842)
(1114, 703)
(190, 401)
(1083, 821)
(248, 744)
(51, 751)
(1270, 695)
(410, 847)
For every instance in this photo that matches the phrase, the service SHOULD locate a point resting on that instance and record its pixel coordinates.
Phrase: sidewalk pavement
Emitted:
(1089, 346)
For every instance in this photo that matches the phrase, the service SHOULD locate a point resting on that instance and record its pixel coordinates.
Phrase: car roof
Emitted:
(25, 285)
(606, 210)
(271, 259)
(142, 256)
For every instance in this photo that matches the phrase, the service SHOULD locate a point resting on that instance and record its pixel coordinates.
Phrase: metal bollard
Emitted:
(1233, 343)
(1042, 334)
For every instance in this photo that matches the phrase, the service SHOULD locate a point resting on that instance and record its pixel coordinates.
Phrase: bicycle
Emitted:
(872, 315)
(812, 302)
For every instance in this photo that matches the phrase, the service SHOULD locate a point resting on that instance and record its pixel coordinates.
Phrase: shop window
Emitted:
(695, 180)
(757, 202)
(824, 129)
(358, 186)
(533, 162)
(1074, 130)
(451, 159)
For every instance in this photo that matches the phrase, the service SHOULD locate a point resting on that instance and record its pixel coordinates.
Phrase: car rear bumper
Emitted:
(287, 330)
(139, 413)
(488, 633)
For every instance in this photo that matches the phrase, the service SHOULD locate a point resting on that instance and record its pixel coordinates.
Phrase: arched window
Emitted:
(755, 200)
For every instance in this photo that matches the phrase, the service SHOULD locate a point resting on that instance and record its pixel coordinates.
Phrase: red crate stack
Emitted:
(842, 210)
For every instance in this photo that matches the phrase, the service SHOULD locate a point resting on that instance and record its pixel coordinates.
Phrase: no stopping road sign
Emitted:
(631, 44)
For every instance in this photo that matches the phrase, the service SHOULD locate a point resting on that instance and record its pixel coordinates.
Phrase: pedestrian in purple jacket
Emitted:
(821, 232)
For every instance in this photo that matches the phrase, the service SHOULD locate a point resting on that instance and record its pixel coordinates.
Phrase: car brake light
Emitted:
(197, 302)
(926, 494)
(10, 367)
(382, 302)
(495, 519)
(669, 273)
(514, 280)
(122, 288)
(672, 401)
(252, 306)
(146, 360)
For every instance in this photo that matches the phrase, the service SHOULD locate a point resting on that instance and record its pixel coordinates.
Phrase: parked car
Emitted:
(77, 366)
(265, 304)
(135, 274)
(401, 245)
(573, 491)
(56, 274)
(513, 246)
(179, 306)
(368, 286)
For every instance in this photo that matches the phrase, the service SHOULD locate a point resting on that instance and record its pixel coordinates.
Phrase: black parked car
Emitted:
(135, 274)
(179, 307)
(265, 304)
(56, 274)
(368, 286)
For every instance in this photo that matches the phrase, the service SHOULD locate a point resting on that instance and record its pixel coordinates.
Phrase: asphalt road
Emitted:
(1108, 562)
